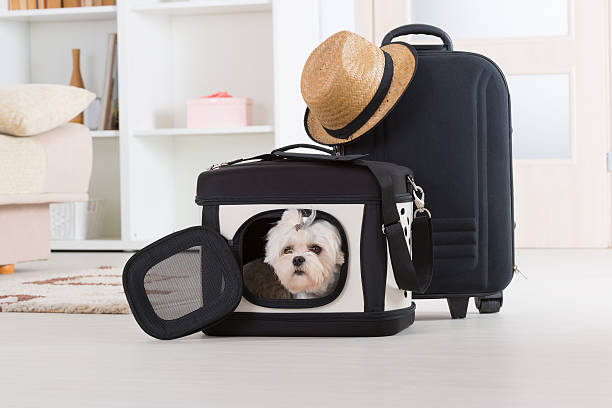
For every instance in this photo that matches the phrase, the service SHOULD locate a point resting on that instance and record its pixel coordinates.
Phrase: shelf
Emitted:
(178, 8)
(96, 245)
(104, 133)
(62, 14)
(204, 132)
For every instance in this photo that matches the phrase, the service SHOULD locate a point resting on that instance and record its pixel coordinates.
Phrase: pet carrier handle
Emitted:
(411, 273)
(304, 146)
(283, 153)
(419, 29)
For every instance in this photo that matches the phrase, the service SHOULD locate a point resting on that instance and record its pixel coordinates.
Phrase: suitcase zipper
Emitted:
(516, 270)
(473, 54)
(217, 166)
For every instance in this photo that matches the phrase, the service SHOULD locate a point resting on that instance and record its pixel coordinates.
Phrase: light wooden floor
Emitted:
(551, 346)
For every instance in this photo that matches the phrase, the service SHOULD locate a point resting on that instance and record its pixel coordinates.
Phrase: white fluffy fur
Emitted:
(318, 275)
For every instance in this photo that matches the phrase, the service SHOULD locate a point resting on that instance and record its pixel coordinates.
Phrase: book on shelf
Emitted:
(48, 4)
(114, 113)
(104, 122)
(26, 4)
(71, 3)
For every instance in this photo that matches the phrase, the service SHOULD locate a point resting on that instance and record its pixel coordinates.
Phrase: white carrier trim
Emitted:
(394, 297)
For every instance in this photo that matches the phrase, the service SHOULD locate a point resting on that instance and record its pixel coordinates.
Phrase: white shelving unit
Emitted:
(169, 51)
(98, 245)
(60, 14)
(205, 7)
(254, 130)
(104, 133)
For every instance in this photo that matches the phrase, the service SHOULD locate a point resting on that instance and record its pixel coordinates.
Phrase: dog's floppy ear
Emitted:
(339, 257)
(276, 237)
(337, 244)
(272, 250)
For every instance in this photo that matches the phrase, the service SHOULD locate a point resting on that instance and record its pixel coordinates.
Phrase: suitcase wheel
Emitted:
(458, 306)
(489, 304)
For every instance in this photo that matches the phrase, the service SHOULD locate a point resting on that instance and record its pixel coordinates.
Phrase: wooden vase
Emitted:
(77, 79)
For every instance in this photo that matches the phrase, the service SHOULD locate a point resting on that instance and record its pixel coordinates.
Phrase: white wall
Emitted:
(51, 45)
(15, 46)
(312, 21)
(494, 19)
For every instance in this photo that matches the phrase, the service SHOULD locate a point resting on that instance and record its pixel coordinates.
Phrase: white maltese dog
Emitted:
(305, 253)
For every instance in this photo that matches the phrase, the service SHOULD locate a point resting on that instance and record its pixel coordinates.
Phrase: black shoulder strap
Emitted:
(414, 276)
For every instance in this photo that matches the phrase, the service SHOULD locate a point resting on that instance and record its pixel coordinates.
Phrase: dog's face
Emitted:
(306, 255)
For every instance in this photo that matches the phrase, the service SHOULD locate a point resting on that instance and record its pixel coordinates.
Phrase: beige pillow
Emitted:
(29, 109)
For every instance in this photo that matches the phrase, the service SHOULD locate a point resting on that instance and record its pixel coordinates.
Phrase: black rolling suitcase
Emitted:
(452, 127)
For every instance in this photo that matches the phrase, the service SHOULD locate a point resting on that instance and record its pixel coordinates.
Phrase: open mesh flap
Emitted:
(182, 283)
(174, 286)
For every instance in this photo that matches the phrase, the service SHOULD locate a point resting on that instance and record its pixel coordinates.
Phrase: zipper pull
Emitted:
(217, 166)
(516, 270)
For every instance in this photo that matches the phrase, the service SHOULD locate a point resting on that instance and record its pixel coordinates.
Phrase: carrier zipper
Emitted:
(327, 199)
(217, 166)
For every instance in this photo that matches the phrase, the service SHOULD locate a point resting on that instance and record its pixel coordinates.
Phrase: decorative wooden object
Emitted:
(7, 269)
(77, 79)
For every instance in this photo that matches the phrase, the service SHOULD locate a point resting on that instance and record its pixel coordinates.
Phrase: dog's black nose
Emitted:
(298, 260)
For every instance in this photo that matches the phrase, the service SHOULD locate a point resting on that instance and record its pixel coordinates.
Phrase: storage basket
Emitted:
(192, 280)
(76, 220)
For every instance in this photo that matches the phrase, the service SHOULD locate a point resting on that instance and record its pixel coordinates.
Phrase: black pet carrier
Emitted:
(193, 279)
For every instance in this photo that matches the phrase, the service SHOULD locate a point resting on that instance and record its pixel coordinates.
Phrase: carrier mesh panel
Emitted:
(174, 286)
(182, 283)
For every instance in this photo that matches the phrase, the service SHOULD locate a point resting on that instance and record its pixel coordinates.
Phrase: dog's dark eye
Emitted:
(287, 250)
(316, 249)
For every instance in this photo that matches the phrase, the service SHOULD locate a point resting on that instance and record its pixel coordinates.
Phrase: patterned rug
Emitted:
(87, 291)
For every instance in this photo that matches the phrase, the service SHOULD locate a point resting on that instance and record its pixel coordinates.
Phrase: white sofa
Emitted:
(50, 167)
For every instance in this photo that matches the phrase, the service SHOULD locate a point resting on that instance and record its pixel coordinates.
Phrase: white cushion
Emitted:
(29, 109)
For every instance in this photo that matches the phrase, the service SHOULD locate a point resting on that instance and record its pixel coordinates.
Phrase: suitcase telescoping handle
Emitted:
(419, 29)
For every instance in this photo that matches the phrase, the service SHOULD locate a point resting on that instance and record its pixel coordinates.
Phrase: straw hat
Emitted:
(350, 85)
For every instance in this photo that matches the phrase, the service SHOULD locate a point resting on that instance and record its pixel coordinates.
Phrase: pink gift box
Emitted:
(218, 110)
